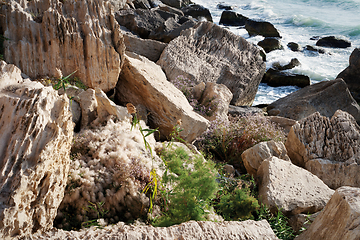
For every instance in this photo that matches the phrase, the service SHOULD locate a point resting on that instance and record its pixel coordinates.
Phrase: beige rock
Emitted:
(249, 229)
(36, 131)
(55, 37)
(291, 189)
(143, 82)
(340, 219)
(209, 53)
(327, 147)
(285, 123)
(254, 156)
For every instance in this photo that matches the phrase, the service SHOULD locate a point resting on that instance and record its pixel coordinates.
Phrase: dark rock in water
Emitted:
(270, 44)
(351, 74)
(333, 42)
(295, 47)
(262, 28)
(197, 11)
(275, 78)
(231, 18)
(324, 97)
(243, 111)
(315, 38)
(224, 7)
(176, 3)
(293, 63)
(315, 49)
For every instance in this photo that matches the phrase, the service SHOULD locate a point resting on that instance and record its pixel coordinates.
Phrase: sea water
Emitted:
(299, 21)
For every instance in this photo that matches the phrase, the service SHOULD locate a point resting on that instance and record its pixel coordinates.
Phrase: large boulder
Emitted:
(351, 74)
(232, 18)
(143, 82)
(232, 230)
(327, 147)
(265, 29)
(291, 189)
(57, 38)
(333, 42)
(36, 132)
(270, 44)
(340, 219)
(276, 78)
(254, 156)
(324, 97)
(209, 53)
(197, 11)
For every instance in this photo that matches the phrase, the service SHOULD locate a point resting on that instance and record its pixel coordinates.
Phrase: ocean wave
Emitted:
(303, 21)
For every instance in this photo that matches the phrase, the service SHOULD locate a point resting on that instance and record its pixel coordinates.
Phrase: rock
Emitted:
(302, 221)
(275, 78)
(243, 111)
(36, 132)
(167, 8)
(148, 48)
(333, 42)
(217, 97)
(315, 49)
(291, 189)
(168, 15)
(143, 82)
(327, 147)
(87, 40)
(340, 219)
(189, 230)
(224, 7)
(197, 11)
(142, 4)
(270, 44)
(262, 28)
(209, 53)
(351, 74)
(176, 3)
(285, 123)
(293, 63)
(295, 47)
(325, 97)
(254, 156)
(231, 18)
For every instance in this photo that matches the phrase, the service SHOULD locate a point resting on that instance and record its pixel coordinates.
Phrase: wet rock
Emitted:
(295, 47)
(270, 44)
(293, 63)
(231, 18)
(275, 78)
(197, 11)
(224, 7)
(262, 28)
(333, 42)
(314, 49)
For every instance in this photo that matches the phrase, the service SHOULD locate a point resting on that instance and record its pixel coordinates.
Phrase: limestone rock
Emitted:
(294, 190)
(324, 97)
(209, 53)
(340, 219)
(52, 36)
(244, 111)
(36, 132)
(327, 147)
(285, 123)
(189, 230)
(143, 82)
(254, 156)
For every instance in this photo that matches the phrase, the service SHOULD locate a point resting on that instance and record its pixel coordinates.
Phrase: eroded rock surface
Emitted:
(36, 131)
(209, 53)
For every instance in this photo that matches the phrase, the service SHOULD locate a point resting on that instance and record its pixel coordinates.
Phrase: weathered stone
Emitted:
(295, 47)
(243, 111)
(142, 4)
(340, 219)
(170, 9)
(276, 78)
(254, 156)
(325, 97)
(176, 3)
(327, 147)
(270, 44)
(262, 28)
(56, 37)
(291, 189)
(231, 230)
(197, 11)
(351, 74)
(143, 82)
(36, 132)
(333, 42)
(148, 48)
(209, 53)
(285, 123)
(231, 18)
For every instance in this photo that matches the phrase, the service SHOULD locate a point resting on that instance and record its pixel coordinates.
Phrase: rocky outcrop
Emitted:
(254, 156)
(231, 18)
(333, 42)
(262, 28)
(270, 44)
(209, 53)
(143, 82)
(351, 74)
(276, 78)
(36, 131)
(189, 230)
(327, 147)
(340, 219)
(324, 97)
(53, 37)
(291, 189)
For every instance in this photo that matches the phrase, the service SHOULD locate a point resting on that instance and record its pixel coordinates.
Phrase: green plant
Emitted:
(63, 82)
(100, 212)
(189, 185)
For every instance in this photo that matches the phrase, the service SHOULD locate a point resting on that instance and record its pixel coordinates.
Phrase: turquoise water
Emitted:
(298, 21)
